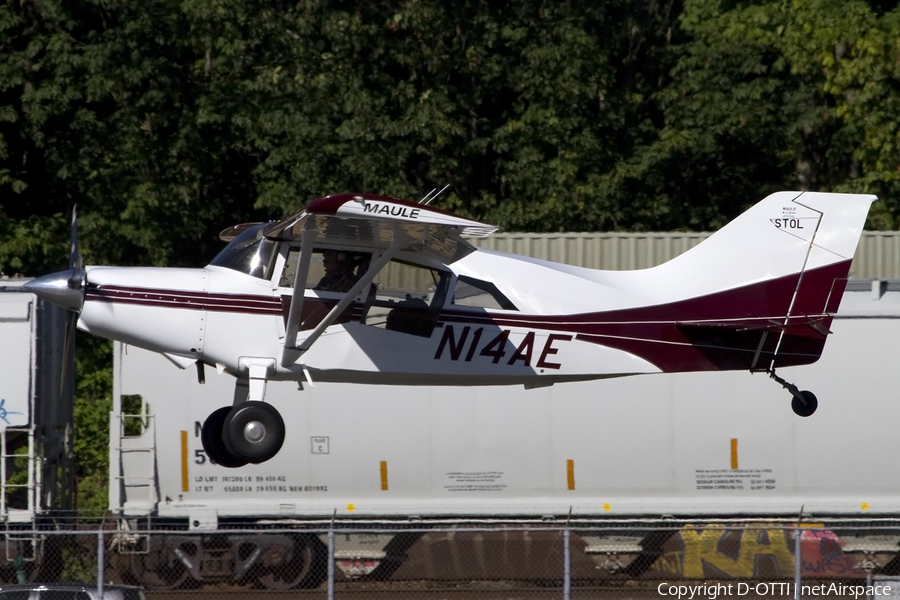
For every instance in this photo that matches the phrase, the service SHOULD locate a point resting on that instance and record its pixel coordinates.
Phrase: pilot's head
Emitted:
(334, 260)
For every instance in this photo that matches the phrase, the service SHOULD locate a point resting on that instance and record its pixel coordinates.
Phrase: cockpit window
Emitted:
(249, 253)
(406, 284)
(330, 270)
(481, 294)
(407, 298)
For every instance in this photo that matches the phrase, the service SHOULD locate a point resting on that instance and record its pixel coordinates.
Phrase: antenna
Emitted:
(427, 196)
(435, 195)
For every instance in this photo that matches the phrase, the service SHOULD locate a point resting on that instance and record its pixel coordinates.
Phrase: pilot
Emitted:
(339, 272)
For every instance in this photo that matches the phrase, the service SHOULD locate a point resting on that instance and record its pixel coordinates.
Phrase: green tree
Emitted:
(93, 401)
(103, 105)
(857, 48)
(767, 96)
(520, 108)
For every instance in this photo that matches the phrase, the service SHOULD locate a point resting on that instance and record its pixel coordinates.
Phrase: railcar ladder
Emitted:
(14, 478)
(135, 453)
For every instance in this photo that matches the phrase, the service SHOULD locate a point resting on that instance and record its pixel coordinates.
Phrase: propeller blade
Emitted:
(76, 282)
(67, 368)
(76, 265)
(66, 288)
(74, 252)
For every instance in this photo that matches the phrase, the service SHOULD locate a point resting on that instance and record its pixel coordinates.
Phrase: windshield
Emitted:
(248, 253)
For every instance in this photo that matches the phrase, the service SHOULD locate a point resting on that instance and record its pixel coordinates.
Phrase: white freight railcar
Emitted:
(685, 445)
(682, 444)
(36, 484)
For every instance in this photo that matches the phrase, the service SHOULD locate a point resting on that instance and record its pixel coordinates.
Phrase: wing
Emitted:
(378, 222)
(386, 225)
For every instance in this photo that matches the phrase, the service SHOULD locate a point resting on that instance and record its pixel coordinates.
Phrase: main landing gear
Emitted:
(804, 403)
(249, 431)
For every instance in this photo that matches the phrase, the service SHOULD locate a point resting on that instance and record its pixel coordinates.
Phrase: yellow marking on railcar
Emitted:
(184, 461)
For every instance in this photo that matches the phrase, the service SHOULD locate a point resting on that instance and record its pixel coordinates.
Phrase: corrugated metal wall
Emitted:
(878, 255)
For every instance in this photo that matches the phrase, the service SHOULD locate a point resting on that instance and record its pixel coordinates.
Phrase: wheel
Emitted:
(211, 438)
(302, 565)
(806, 407)
(254, 431)
(158, 569)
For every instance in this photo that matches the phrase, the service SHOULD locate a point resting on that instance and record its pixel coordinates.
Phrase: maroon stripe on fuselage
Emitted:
(733, 329)
(243, 303)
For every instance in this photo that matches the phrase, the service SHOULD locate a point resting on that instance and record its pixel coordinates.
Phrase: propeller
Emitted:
(65, 289)
(76, 283)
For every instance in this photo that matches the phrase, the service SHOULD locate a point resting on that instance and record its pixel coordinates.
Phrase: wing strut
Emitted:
(291, 354)
(293, 321)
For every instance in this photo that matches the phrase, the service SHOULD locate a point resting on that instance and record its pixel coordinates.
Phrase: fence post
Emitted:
(797, 562)
(331, 563)
(567, 566)
(101, 561)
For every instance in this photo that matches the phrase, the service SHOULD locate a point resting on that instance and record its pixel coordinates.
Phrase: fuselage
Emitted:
(758, 294)
(538, 324)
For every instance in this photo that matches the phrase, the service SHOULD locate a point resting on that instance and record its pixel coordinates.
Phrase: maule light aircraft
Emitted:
(369, 289)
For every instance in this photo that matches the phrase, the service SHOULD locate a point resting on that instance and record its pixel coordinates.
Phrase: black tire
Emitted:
(211, 436)
(248, 418)
(806, 407)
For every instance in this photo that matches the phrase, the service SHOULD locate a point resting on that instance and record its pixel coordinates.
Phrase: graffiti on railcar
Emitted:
(715, 551)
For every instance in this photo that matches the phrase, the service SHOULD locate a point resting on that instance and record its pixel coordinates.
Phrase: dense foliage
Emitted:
(166, 121)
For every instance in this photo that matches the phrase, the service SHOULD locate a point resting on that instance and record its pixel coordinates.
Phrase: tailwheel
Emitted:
(253, 431)
(300, 564)
(159, 569)
(211, 437)
(804, 403)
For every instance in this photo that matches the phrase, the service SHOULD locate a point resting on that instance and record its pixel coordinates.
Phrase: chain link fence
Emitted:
(535, 560)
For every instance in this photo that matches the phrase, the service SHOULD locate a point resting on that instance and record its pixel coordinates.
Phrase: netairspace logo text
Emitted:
(718, 590)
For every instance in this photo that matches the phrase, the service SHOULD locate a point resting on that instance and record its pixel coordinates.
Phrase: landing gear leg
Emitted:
(249, 431)
(804, 403)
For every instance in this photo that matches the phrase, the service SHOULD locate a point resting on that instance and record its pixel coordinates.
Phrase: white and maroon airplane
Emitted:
(368, 289)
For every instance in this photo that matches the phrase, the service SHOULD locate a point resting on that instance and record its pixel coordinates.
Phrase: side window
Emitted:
(14, 595)
(407, 298)
(481, 294)
(411, 285)
(330, 270)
